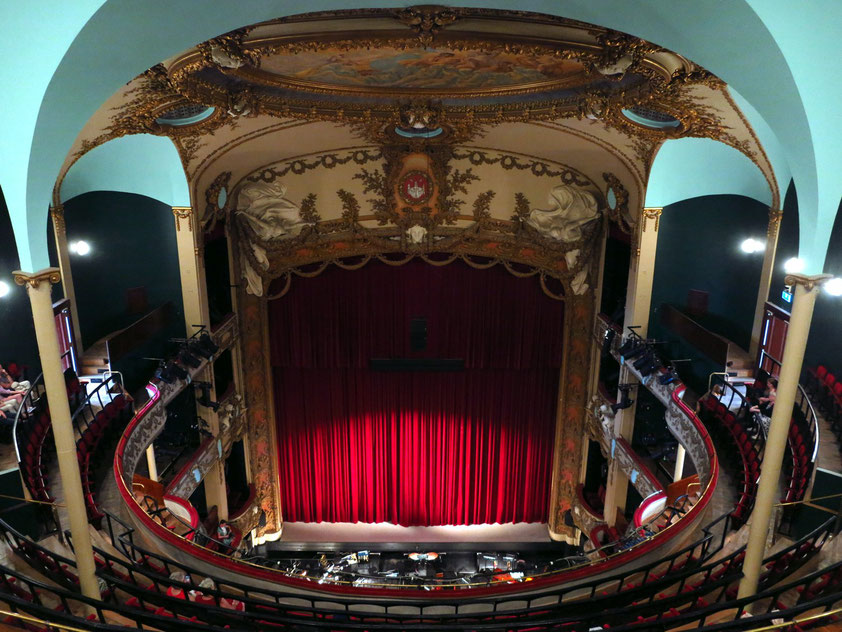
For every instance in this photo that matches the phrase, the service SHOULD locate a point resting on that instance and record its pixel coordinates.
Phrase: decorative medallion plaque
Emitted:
(415, 187)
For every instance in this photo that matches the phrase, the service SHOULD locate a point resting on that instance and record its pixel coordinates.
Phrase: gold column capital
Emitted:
(34, 279)
(57, 214)
(180, 213)
(652, 212)
(810, 282)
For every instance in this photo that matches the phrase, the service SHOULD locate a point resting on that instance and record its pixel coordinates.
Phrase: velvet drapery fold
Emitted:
(415, 448)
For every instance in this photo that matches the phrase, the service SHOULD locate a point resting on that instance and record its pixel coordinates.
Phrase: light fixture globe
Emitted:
(794, 265)
(751, 245)
(4, 289)
(80, 248)
(834, 286)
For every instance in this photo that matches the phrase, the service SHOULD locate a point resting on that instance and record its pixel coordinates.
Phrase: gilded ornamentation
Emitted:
(427, 20)
(47, 275)
(570, 424)
(775, 217)
(212, 210)
(652, 213)
(261, 428)
(57, 215)
(482, 205)
(808, 282)
(619, 211)
(180, 213)
(325, 161)
(568, 175)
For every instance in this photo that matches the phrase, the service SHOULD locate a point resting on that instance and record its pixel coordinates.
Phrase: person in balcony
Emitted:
(6, 381)
(224, 534)
(199, 596)
(762, 411)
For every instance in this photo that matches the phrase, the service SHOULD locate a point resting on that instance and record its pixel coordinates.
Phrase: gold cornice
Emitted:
(652, 212)
(33, 280)
(180, 213)
(809, 282)
(57, 215)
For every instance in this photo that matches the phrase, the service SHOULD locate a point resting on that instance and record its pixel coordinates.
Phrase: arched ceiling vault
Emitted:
(738, 44)
(546, 90)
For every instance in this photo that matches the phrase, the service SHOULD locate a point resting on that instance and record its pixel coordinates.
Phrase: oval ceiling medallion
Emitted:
(184, 115)
(651, 117)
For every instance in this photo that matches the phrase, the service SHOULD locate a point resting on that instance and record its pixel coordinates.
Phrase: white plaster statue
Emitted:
(416, 233)
(264, 207)
(572, 209)
(223, 59)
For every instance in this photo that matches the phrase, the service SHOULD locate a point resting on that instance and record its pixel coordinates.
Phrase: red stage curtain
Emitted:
(467, 447)
(490, 318)
(471, 447)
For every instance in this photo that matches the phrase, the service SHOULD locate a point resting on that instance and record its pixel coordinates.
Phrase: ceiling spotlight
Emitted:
(834, 286)
(794, 265)
(80, 248)
(751, 245)
(4, 289)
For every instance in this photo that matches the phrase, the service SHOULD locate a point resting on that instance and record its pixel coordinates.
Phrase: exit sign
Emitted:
(787, 296)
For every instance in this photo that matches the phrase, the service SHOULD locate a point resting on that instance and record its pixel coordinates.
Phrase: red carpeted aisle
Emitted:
(415, 448)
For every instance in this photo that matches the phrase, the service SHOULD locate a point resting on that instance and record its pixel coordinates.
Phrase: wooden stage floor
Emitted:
(389, 537)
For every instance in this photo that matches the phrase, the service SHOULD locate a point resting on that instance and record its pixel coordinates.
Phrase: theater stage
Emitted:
(328, 536)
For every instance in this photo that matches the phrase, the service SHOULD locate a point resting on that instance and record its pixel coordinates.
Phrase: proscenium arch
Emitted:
(685, 168)
(143, 164)
(714, 39)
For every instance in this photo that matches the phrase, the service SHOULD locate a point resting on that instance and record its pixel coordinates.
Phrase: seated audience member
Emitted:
(6, 381)
(762, 411)
(9, 404)
(232, 604)
(199, 597)
(177, 591)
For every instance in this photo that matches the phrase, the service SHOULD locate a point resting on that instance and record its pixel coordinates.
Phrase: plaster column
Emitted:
(765, 277)
(194, 297)
(63, 252)
(151, 463)
(39, 288)
(638, 304)
(806, 290)
(680, 453)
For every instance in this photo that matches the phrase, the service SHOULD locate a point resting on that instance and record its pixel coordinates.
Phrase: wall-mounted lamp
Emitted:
(4, 289)
(794, 265)
(751, 245)
(80, 248)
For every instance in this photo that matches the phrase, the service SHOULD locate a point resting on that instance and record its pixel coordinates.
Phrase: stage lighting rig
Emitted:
(168, 372)
(202, 344)
(625, 401)
(204, 399)
(671, 374)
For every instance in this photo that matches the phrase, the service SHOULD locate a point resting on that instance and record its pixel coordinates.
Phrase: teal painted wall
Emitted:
(17, 333)
(699, 248)
(133, 244)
